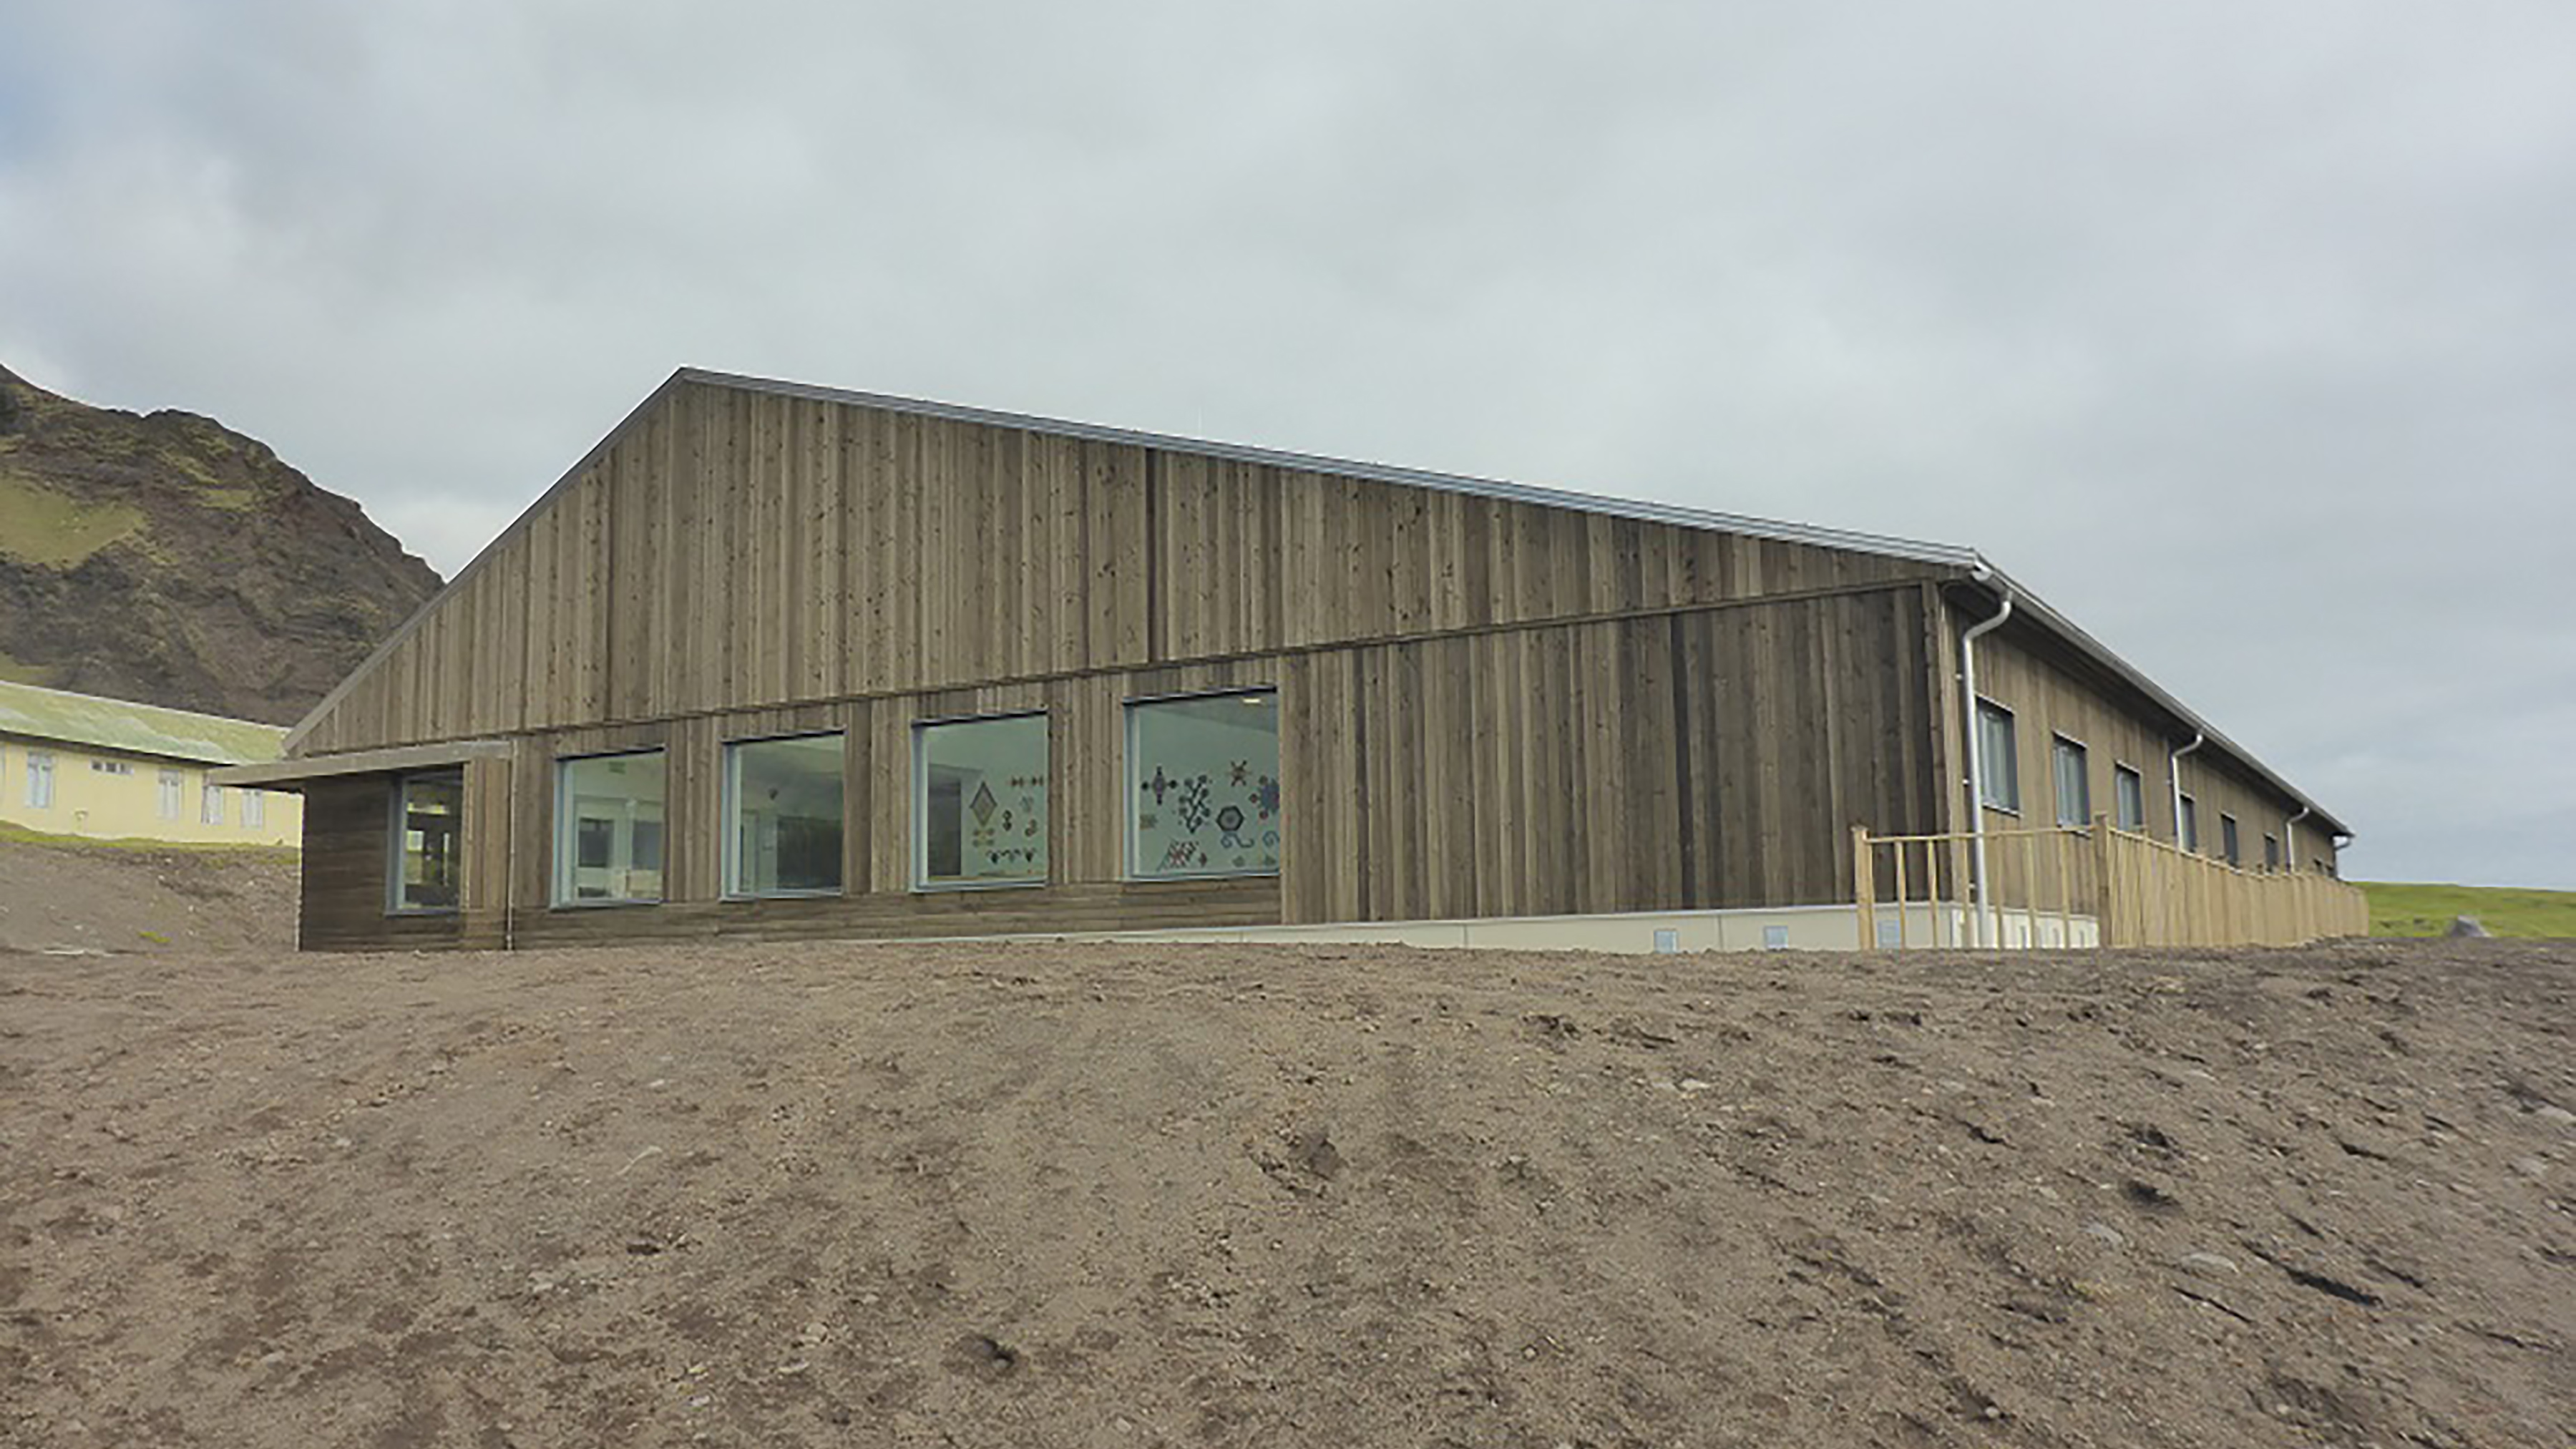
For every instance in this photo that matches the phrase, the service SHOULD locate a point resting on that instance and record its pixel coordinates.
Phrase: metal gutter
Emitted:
(2173, 774)
(1976, 751)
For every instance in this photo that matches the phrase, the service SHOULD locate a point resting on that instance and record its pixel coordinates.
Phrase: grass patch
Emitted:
(18, 671)
(231, 500)
(45, 528)
(12, 833)
(212, 489)
(2398, 908)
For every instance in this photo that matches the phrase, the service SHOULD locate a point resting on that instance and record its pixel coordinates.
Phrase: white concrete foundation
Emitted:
(1788, 928)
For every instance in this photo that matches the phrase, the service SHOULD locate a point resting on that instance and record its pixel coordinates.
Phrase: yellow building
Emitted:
(74, 764)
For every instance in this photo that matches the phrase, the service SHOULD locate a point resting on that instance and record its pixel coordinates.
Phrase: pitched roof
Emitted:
(1665, 513)
(1884, 545)
(136, 729)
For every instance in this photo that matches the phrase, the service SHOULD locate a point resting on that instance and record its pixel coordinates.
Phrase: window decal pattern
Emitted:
(1206, 799)
(980, 807)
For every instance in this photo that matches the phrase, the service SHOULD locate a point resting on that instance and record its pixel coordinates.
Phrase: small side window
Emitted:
(2129, 791)
(2000, 775)
(2074, 782)
(429, 811)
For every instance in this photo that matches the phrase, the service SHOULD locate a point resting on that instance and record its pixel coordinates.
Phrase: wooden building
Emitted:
(784, 660)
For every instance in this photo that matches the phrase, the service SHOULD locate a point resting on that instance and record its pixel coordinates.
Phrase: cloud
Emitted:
(2237, 330)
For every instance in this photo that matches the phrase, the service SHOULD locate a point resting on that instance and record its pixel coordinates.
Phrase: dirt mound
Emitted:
(82, 897)
(1183, 1195)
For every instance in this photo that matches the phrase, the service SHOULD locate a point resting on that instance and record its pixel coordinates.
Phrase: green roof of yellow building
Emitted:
(138, 729)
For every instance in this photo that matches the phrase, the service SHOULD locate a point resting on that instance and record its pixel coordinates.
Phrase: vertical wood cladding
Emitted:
(739, 548)
(348, 824)
(1706, 758)
(1713, 758)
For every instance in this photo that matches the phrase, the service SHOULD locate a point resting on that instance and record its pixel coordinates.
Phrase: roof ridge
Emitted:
(1643, 510)
(225, 719)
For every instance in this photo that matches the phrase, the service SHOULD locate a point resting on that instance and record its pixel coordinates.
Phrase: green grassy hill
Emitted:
(2401, 909)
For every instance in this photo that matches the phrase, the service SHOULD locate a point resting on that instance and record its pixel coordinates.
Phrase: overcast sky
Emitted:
(2244, 333)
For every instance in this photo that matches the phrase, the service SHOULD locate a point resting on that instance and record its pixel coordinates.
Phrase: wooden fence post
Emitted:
(1960, 923)
(2067, 859)
(1865, 886)
(2104, 902)
(2030, 888)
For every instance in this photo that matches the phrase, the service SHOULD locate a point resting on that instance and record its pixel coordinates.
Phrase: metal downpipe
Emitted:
(1976, 749)
(2173, 772)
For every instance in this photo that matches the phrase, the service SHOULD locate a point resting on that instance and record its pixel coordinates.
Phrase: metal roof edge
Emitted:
(1666, 513)
(2101, 653)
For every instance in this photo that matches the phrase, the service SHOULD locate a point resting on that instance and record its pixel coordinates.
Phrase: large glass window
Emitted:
(2187, 821)
(1996, 763)
(210, 804)
(979, 793)
(783, 798)
(255, 809)
(608, 829)
(2074, 782)
(429, 810)
(171, 782)
(1203, 786)
(40, 779)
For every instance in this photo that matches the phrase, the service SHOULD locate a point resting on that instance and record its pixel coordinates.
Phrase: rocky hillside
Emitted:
(168, 559)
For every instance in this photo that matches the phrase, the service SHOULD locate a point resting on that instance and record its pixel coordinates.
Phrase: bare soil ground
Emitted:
(1126, 1195)
(73, 897)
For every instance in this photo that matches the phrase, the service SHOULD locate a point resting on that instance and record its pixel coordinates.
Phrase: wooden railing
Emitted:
(2085, 886)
